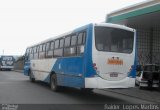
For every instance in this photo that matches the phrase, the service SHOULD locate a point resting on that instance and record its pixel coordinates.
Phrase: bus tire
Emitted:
(53, 83)
(31, 78)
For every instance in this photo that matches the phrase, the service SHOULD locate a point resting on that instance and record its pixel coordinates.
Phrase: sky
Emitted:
(26, 22)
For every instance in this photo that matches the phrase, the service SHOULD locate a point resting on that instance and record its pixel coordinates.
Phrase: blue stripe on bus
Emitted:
(89, 70)
(133, 71)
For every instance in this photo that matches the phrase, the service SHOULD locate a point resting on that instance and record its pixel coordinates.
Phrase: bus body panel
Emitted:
(124, 67)
(89, 70)
(42, 68)
(69, 71)
(26, 68)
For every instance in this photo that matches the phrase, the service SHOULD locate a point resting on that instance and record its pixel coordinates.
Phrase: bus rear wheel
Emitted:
(32, 79)
(53, 83)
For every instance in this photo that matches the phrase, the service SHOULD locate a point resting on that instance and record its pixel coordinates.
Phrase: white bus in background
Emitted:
(7, 62)
(92, 56)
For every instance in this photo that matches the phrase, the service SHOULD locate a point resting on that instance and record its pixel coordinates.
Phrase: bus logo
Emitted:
(115, 61)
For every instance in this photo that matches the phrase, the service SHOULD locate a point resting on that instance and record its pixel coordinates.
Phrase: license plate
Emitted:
(113, 74)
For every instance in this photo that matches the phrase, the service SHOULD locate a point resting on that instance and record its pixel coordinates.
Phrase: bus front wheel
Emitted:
(53, 83)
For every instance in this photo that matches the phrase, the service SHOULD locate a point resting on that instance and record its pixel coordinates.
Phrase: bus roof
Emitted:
(115, 26)
(64, 34)
(83, 28)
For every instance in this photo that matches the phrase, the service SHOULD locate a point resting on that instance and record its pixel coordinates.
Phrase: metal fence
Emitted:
(148, 44)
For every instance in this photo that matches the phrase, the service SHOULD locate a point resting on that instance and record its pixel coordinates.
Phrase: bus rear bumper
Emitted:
(98, 82)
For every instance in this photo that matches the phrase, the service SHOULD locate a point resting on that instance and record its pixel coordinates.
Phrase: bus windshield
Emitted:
(113, 40)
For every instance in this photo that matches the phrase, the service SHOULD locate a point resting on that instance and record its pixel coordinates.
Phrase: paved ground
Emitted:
(145, 93)
(15, 88)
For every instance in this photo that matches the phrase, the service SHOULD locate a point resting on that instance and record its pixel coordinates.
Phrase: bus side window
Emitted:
(36, 52)
(40, 48)
(28, 57)
(73, 48)
(61, 47)
(70, 48)
(31, 53)
(49, 49)
(56, 44)
(42, 51)
(44, 47)
(27, 51)
(67, 41)
(67, 46)
(80, 38)
(74, 40)
(48, 46)
(84, 38)
(58, 51)
(81, 43)
(52, 48)
(27, 54)
(52, 45)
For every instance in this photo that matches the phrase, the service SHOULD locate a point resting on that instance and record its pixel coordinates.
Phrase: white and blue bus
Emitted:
(93, 56)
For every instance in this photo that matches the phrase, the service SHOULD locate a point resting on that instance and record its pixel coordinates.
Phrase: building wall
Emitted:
(19, 64)
(143, 45)
(156, 45)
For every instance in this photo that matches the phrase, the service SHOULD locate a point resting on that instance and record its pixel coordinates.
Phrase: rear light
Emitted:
(94, 66)
(130, 68)
(143, 79)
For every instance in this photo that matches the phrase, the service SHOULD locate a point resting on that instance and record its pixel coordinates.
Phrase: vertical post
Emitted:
(151, 44)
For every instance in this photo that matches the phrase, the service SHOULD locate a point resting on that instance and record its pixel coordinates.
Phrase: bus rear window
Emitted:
(113, 40)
